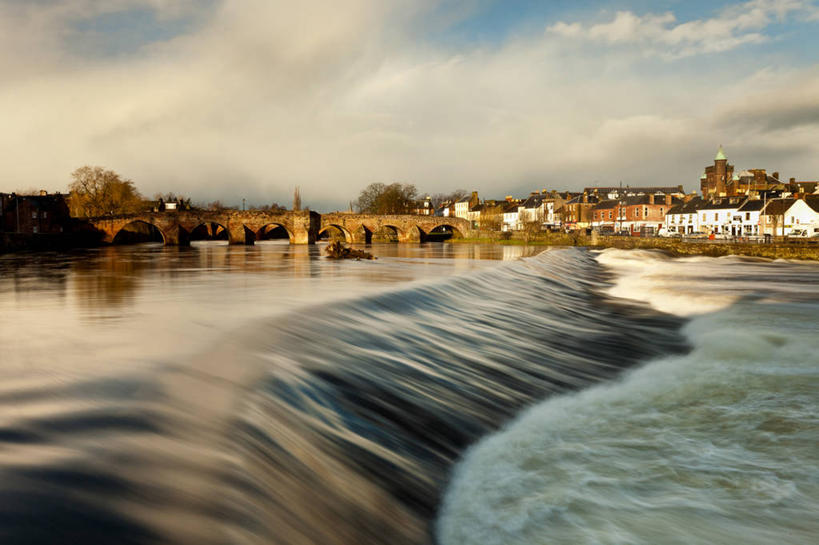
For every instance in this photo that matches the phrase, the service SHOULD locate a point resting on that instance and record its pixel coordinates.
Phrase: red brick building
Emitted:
(720, 180)
(638, 214)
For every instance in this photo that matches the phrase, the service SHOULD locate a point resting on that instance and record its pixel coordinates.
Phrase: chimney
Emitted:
(668, 200)
(651, 198)
(43, 192)
(776, 175)
(585, 197)
(793, 180)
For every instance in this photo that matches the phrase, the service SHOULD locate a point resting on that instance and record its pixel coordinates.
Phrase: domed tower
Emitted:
(718, 178)
(721, 171)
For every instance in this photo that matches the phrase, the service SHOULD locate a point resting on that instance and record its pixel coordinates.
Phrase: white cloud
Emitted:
(662, 35)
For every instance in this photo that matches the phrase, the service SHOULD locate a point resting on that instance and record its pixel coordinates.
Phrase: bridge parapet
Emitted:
(303, 227)
(359, 228)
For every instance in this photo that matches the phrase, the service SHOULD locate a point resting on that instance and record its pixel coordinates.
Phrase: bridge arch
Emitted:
(441, 232)
(273, 231)
(138, 231)
(385, 233)
(209, 231)
(328, 230)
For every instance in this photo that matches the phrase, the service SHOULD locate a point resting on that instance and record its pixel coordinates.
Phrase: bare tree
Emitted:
(296, 199)
(96, 191)
(491, 218)
(394, 198)
(454, 196)
(531, 229)
(217, 205)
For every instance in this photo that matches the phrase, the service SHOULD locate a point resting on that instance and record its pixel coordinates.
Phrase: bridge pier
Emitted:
(412, 234)
(361, 235)
(176, 236)
(240, 234)
(306, 225)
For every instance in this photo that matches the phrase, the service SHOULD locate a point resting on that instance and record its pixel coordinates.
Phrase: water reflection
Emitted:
(112, 304)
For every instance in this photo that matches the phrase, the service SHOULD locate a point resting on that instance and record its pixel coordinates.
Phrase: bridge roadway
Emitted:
(303, 227)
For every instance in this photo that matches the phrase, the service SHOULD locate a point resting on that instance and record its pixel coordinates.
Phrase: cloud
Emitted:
(792, 104)
(259, 96)
(662, 35)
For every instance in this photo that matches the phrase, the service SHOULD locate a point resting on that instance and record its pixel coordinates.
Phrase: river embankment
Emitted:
(779, 249)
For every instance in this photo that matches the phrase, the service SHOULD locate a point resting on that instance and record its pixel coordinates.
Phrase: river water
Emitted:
(445, 393)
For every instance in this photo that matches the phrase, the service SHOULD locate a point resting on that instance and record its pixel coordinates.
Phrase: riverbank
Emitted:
(39, 242)
(674, 247)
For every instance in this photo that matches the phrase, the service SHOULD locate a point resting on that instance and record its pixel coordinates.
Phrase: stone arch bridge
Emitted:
(304, 227)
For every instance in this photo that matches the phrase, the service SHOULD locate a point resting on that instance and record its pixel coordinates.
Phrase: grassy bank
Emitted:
(674, 247)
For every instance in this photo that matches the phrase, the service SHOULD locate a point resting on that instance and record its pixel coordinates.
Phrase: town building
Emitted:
(511, 215)
(714, 181)
(746, 222)
(534, 209)
(716, 215)
(34, 214)
(465, 204)
(781, 216)
(683, 217)
(605, 215)
(577, 211)
(720, 180)
(446, 210)
(620, 192)
(637, 214)
(424, 207)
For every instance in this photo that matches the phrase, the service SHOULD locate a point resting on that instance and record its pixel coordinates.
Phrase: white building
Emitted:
(781, 216)
(533, 209)
(684, 218)
(465, 204)
(462, 208)
(717, 215)
(511, 217)
(745, 223)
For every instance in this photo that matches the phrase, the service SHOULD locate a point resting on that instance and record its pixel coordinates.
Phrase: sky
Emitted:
(248, 99)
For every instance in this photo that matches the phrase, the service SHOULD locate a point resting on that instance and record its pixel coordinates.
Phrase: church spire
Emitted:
(720, 154)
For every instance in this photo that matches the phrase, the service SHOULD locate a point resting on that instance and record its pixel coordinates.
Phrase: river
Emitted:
(445, 393)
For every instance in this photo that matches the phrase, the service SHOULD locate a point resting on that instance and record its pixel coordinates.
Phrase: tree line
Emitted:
(97, 191)
(397, 198)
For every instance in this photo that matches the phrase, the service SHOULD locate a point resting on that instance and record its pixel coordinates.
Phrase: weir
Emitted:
(302, 227)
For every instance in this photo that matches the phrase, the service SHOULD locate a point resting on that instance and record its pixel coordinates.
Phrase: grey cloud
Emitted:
(331, 96)
(781, 115)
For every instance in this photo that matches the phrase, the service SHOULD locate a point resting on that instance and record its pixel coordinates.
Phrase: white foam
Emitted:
(717, 446)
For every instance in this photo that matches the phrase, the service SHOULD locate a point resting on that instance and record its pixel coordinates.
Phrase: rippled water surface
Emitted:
(717, 446)
(267, 395)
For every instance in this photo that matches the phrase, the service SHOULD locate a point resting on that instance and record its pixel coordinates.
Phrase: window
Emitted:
(34, 215)
(609, 214)
(716, 216)
(661, 210)
(747, 216)
(45, 215)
